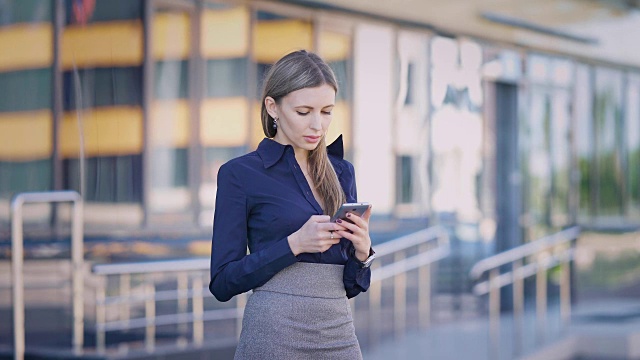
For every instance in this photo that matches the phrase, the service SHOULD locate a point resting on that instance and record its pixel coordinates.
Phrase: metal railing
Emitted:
(196, 272)
(17, 264)
(542, 254)
(398, 269)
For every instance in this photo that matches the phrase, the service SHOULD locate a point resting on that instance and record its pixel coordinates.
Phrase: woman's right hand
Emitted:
(316, 235)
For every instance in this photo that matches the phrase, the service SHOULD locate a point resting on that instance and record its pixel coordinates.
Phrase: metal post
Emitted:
(424, 292)
(518, 307)
(101, 315)
(565, 291)
(375, 293)
(77, 255)
(198, 311)
(183, 286)
(18, 280)
(125, 292)
(399, 298)
(494, 314)
(150, 317)
(541, 300)
(17, 264)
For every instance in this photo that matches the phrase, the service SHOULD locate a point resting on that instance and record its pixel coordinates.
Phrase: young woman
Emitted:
(277, 200)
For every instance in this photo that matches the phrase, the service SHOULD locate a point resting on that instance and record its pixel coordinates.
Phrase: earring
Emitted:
(275, 123)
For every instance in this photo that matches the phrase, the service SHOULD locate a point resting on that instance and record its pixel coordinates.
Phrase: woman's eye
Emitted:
(302, 113)
(327, 112)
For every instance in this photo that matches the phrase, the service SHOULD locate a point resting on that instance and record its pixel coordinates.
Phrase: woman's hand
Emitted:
(357, 233)
(318, 234)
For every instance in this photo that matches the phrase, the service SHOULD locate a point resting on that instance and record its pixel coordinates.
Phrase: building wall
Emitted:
(154, 96)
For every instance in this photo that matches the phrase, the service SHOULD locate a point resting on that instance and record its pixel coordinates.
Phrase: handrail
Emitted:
(17, 264)
(402, 243)
(151, 267)
(383, 249)
(523, 251)
(519, 271)
(149, 295)
(412, 239)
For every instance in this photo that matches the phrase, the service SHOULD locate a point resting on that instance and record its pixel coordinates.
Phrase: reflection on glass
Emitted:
(546, 133)
(537, 164)
(609, 140)
(225, 116)
(456, 127)
(170, 112)
(561, 150)
(334, 46)
(411, 125)
(633, 144)
(26, 119)
(584, 138)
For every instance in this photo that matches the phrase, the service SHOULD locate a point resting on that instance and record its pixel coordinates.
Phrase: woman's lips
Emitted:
(311, 139)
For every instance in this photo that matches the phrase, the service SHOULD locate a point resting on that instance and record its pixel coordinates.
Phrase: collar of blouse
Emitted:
(271, 151)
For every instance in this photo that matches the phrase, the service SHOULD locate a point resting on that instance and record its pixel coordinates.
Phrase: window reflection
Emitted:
(632, 130)
(334, 46)
(225, 116)
(411, 125)
(170, 115)
(584, 140)
(609, 140)
(101, 130)
(546, 132)
(26, 119)
(456, 127)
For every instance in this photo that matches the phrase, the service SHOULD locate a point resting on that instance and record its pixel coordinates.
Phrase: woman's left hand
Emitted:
(357, 233)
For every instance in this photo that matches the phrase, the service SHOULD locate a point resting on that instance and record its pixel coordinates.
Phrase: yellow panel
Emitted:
(169, 123)
(107, 131)
(115, 43)
(224, 122)
(26, 46)
(26, 135)
(273, 39)
(256, 125)
(334, 46)
(171, 36)
(225, 33)
(340, 123)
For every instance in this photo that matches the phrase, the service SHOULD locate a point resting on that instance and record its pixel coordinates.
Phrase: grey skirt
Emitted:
(301, 313)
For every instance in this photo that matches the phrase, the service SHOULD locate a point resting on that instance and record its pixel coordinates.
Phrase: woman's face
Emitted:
(303, 116)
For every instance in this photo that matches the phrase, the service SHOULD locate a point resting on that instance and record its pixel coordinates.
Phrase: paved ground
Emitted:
(602, 329)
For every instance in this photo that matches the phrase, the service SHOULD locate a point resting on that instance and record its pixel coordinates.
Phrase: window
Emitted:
(609, 142)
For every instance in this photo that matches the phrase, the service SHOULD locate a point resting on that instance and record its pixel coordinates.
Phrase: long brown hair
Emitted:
(295, 71)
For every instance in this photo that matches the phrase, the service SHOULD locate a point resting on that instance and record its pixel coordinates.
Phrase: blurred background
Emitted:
(499, 142)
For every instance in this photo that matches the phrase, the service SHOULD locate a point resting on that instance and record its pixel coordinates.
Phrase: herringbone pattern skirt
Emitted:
(301, 313)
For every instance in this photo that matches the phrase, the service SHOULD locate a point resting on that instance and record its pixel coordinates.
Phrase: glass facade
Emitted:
(546, 146)
(456, 128)
(632, 142)
(139, 116)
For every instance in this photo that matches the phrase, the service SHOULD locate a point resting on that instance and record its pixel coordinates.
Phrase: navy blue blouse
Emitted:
(262, 198)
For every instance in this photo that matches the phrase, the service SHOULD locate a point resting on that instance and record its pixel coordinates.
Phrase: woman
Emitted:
(277, 201)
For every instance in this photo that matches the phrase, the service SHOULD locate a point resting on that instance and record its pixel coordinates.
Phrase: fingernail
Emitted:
(339, 221)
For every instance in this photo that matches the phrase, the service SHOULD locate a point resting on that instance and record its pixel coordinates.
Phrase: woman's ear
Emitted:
(271, 106)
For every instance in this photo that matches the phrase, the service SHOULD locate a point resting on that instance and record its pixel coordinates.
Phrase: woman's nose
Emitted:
(316, 122)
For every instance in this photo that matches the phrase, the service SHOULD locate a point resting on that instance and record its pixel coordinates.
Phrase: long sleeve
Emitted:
(355, 278)
(232, 270)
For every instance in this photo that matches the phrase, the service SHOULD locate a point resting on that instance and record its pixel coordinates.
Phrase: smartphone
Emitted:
(355, 208)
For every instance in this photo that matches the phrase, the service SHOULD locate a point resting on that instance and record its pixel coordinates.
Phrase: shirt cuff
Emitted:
(282, 252)
(356, 276)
